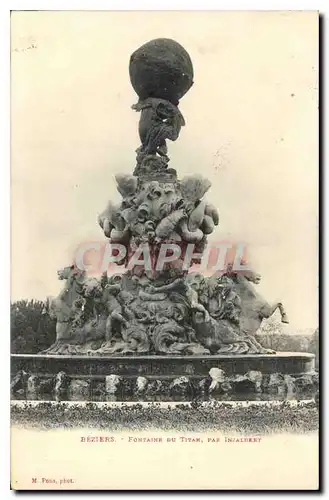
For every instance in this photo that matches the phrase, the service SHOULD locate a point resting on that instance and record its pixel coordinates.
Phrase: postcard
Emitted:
(164, 220)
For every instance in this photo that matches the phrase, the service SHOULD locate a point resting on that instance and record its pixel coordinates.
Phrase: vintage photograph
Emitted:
(164, 246)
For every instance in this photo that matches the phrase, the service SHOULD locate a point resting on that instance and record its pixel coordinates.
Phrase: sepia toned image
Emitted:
(164, 225)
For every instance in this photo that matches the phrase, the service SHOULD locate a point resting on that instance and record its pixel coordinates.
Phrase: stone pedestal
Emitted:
(165, 377)
(286, 363)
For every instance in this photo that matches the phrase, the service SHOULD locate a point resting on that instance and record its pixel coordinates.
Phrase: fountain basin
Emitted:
(286, 363)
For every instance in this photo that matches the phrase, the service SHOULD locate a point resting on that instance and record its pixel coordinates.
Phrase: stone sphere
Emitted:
(161, 68)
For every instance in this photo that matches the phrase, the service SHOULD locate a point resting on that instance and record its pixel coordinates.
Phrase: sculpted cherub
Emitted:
(113, 307)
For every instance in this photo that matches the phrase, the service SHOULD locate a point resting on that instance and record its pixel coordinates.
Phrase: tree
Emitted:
(32, 329)
(270, 326)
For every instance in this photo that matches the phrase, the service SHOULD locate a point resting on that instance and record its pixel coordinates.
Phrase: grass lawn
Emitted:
(251, 418)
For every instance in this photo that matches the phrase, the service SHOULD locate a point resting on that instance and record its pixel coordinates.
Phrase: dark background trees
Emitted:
(32, 329)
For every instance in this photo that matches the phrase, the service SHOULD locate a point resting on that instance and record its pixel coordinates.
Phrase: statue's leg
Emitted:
(62, 328)
(284, 316)
(108, 328)
(163, 149)
(268, 310)
(172, 132)
(258, 348)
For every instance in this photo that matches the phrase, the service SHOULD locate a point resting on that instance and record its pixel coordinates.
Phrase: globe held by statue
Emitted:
(161, 68)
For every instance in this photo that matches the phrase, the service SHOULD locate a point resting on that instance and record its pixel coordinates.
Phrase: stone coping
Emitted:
(285, 354)
(291, 363)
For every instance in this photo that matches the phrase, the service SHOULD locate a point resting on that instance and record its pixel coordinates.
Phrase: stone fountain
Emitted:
(158, 327)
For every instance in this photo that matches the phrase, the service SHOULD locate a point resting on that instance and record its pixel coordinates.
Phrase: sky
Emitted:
(251, 128)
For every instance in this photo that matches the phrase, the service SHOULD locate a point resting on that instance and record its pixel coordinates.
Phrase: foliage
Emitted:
(253, 419)
(271, 326)
(32, 329)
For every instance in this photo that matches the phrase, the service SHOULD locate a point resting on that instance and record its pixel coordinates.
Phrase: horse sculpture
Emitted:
(231, 312)
(254, 308)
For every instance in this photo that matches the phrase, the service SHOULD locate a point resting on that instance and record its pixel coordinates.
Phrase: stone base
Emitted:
(287, 363)
(89, 378)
